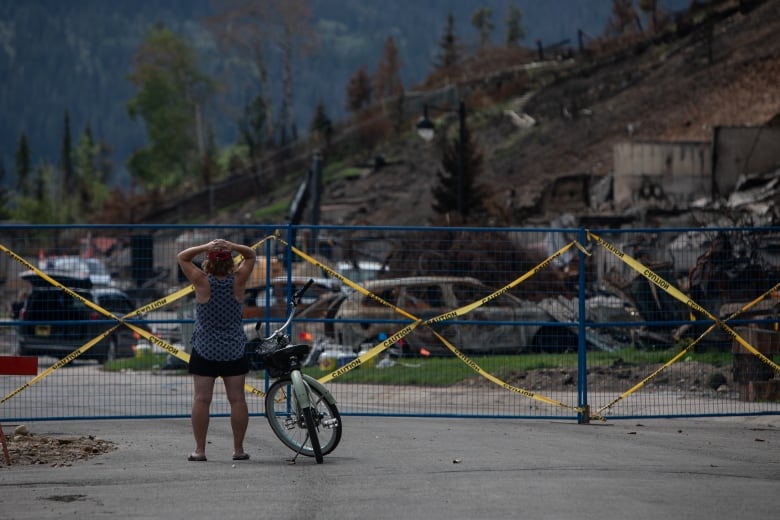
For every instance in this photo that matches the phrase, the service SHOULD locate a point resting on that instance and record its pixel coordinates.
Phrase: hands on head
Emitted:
(218, 244)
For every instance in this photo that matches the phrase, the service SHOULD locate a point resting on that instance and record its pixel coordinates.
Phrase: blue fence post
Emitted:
(268, 275)
(583, 416)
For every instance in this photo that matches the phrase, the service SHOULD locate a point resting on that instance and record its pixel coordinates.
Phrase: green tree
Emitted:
(448, 45)
(445, 191)
(172, 95)
(37, 207)
(515, 32)
(482, 20)
(23, 167)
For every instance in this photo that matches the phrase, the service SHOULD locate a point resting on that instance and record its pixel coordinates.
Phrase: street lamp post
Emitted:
(426, 130)
(316, 189)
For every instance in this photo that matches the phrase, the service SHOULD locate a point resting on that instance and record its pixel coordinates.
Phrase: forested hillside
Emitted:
(74, 56)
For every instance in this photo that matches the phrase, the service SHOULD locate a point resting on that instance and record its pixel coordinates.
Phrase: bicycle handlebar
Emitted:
(294, 301)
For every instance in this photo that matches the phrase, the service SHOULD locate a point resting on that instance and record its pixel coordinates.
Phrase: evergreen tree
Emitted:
(650, 8)
(42, 178)
(321, 127)
(482, 20)
(294, 34)
(445, 191)
(209, 167)
(448, 45)
(103, 162)
(286, 116)
(387, 80)
(623, 17)
(37, 207)
(66, 158)
(359, 91)
(5, 193)
(253, 127)
(514, 26)
(23, 167)
(91, 181)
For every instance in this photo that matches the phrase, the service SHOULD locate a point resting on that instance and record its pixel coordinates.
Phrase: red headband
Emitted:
(220, 255)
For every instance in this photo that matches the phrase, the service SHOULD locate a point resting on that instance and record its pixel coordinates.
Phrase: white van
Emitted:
(79, 267)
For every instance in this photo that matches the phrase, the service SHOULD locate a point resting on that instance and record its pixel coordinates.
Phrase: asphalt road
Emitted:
(390, 468)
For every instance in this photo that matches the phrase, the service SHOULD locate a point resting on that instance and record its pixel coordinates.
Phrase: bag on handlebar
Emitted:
(274, 360)
(272, 365)
(267, 357)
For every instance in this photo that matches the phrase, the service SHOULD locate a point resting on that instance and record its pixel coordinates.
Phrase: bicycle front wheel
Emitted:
(311, 428)
(289, 423)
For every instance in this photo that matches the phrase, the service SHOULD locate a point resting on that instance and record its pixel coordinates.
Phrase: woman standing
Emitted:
(218, 340)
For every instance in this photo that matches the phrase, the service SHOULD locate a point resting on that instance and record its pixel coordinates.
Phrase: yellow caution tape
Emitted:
(684, 351)
(62, 362)
(677, 294)
(162, 302)
(408, 329)
(383, 345)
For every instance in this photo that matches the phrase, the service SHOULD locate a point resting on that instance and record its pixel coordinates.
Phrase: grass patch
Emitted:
(271, 211)
(450, 370)
(144, 362)
(446, 371)
(431, 371)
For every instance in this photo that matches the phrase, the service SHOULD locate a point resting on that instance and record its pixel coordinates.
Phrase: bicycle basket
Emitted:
(277, 362)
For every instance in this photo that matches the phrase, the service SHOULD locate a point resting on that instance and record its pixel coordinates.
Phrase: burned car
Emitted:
(505, 324)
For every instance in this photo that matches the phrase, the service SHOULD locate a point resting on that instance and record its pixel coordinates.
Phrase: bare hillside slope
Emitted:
(665, 91)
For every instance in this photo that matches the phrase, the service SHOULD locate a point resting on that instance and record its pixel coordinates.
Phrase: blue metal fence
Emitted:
(531, 323)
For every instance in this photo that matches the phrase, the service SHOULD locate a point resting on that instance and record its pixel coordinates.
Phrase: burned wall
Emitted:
(741, 151)
(672, 173)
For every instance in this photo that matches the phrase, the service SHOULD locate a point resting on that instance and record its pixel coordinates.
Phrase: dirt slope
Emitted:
(668, 91)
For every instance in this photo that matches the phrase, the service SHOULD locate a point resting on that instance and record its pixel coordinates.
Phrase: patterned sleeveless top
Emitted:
(219, 333)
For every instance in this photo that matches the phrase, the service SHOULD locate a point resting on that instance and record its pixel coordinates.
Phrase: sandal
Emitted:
(194, 457)
(240, 456)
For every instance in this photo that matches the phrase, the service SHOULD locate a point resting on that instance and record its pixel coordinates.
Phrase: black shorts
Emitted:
(201, 366)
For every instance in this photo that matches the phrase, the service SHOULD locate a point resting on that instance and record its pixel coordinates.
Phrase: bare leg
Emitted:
(239, 412)
(201, 401)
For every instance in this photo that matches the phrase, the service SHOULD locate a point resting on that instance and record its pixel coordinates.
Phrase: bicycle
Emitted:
(300, 410)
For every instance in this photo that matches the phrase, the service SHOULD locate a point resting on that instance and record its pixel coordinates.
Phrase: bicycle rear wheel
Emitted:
(289, 424)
